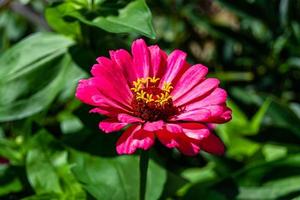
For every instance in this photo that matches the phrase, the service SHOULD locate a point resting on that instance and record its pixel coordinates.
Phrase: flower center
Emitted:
(150, 102)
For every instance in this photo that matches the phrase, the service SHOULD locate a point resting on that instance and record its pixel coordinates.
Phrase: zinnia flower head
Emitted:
(159, 96)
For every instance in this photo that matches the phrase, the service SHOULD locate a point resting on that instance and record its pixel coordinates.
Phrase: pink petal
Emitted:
(124, 60)
(111, 82)
(188, 147)
(201, 114)
(206, 139)
(190, 79)
(134, 138)
(111, 125)
(167, 138)
(195, 131)
(212, 144)
(153, 126)
(219, 114)
(198, 91)
(128, 118)
(174, 128)
(103, 64)
(209, 114)
(108, 69)
(88, 93)
(176, 65)
(114, 91)
(141, 58)
(108, 111)
(178, 140)
(218, 96)
(158, 61)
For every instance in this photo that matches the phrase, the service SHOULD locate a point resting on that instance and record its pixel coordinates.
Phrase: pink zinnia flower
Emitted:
(159, 96)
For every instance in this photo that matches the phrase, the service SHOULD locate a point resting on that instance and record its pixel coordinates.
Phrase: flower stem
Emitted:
(144, 160)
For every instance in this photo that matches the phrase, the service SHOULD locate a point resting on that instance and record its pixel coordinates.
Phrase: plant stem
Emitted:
(144, 160)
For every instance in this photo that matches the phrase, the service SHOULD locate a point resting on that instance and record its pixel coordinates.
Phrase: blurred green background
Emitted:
(52, 149)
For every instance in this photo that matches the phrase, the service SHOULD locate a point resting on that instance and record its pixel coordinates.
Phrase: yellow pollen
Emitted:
(140, 95)
(167, 87)
(149, 98)
(141, 85)
(163, 98)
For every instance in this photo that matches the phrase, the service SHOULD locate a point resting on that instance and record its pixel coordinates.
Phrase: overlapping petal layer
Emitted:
(195, 102)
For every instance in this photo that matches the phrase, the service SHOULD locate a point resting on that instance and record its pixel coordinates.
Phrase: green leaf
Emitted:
(175, 184)
(24, 88)
(233, 131)
(11, 150)
(134, 18)
(20, 59)
(116, 178)
(200, 174)
(54, 17)
(257, 119)
(41, 99)
(281, 115)
(274, 152)
(48, 170)
(271, 190)
(284, 12)
(9, 182)
(69, 123)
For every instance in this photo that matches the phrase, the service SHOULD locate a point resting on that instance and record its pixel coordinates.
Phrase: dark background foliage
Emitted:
(51, 148)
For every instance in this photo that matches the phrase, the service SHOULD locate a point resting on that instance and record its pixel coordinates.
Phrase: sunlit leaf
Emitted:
(134, 18)
(24, 88)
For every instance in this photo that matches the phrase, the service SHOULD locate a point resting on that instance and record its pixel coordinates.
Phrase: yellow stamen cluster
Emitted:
(167, 87)
(140, 89)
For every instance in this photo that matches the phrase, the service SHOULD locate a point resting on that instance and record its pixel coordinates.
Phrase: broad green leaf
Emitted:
(54, 16)
(41, 99)
(134, 18)
(24, 88)
(21, 58)
(116, 178)
(48, 170)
